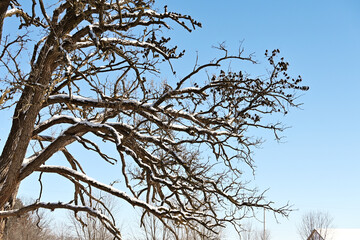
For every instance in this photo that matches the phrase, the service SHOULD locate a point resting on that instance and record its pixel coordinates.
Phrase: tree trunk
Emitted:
(3, 221)
(15, 148)
(24, 118)
(2, 227)
(4, 5)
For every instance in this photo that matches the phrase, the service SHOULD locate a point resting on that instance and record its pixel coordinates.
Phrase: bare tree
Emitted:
(263, 235)
(32, 225)
(87, 227)
(86, 72)
(248, 232)
(153, 229)
(61, 232)
(321, 221)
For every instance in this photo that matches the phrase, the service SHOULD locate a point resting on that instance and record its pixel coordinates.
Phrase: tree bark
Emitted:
(15, 149)
(4, 4)
(26, 111)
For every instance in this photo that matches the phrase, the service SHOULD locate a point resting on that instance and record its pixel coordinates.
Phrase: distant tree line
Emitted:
(37, 225)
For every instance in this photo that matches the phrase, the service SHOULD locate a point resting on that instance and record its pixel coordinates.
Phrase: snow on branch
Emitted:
(158, 211)
(59, 205)
(67, 137)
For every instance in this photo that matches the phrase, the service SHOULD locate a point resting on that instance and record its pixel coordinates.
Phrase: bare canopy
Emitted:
(84, 72)
(315, 220)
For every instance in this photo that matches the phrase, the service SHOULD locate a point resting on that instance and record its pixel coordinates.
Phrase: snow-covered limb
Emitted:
(160, 211)
(112, 41)
(126, 104)
(93, 36)
(57, 119)
(107, 188)
(13, 11)
(59, 205)
(18, 12)
(65, 138)
(150, 113)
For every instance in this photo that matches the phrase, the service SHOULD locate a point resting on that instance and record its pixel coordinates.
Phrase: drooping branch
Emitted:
(76, 208)
(67, 137)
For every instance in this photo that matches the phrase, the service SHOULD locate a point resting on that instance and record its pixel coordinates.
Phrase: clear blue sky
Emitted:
(317, 166)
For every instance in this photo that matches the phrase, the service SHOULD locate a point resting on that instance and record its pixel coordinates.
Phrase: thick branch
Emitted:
(76, 208)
